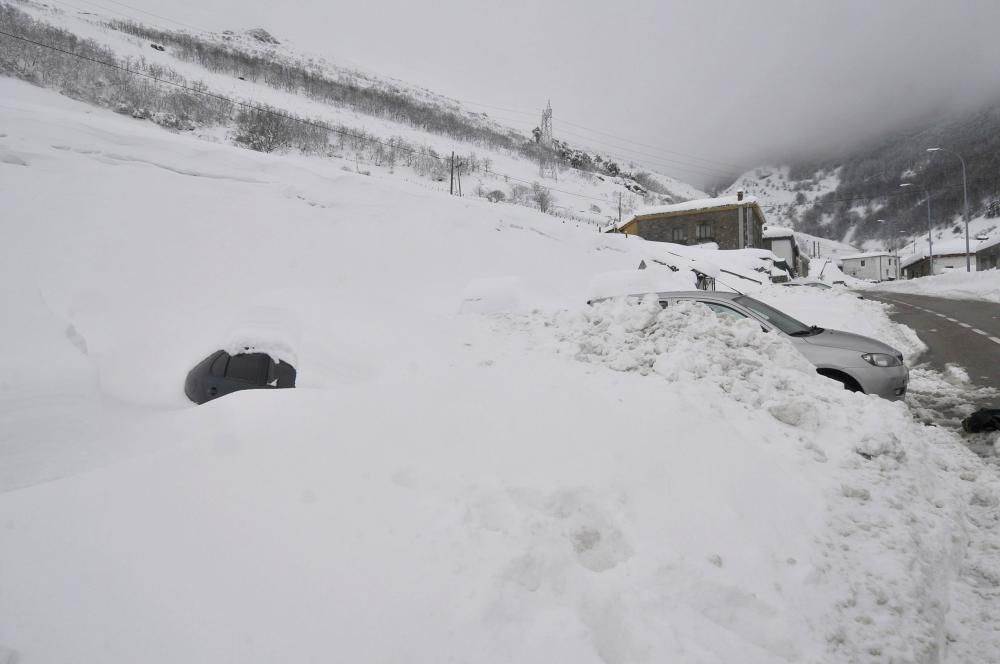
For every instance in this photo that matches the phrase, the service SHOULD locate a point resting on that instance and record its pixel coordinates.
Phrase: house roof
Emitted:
(986, 244)
(870, 254)
(690, 206)
(954, 247)
(774, 232)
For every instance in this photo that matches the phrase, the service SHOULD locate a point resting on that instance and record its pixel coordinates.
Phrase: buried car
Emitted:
(221, 373)
(860, 363)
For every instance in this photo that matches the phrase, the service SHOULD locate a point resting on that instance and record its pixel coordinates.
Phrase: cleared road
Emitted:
(962, 332)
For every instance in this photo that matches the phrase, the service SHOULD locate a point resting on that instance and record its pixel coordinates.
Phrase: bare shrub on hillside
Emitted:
(541, 196)
(84, 78)
(263, 130)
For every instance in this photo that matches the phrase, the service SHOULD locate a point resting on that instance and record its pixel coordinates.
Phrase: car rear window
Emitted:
(251, 367)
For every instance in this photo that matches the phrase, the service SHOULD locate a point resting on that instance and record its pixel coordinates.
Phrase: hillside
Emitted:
(255, 91)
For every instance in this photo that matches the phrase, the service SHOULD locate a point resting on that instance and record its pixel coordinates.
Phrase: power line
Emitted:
(657, 161)
(120, 13)
(603, 133)
(186, 25)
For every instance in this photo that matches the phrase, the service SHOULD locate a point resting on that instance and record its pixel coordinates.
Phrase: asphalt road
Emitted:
(962, 332)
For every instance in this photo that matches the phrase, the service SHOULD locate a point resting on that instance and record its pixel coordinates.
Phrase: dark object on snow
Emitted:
(987, 419)
(221, 373)
(157, 47)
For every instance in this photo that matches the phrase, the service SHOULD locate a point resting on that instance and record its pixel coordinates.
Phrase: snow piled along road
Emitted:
(956, 284)
(615, 483)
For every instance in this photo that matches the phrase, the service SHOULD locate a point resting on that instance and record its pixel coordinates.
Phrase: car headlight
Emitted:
(882, 359)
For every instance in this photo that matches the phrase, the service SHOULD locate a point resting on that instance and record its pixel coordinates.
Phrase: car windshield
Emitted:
(780, 320)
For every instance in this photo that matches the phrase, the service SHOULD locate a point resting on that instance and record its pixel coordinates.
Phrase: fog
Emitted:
(700, 90)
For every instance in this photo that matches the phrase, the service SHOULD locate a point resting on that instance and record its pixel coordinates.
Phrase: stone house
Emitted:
(731, 222)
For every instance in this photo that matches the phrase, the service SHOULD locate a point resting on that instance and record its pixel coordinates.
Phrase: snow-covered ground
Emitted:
(476, 466)
(957, 284)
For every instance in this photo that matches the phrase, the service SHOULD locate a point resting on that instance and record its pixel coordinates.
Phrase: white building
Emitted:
(874, 266)
(781, 242)
(949, 256)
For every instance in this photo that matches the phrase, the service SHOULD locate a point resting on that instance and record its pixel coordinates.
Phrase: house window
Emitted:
(704, 230)
(862, 263)
(678, 234)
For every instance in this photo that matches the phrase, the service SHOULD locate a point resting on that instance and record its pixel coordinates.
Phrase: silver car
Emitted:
(861, 364)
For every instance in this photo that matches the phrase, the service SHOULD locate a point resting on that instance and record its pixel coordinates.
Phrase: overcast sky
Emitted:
(707, 86)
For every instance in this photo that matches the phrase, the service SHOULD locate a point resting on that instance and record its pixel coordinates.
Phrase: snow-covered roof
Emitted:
(986, 244)
(954, 247)
(774, 232)
(870, 254)
(689, 206)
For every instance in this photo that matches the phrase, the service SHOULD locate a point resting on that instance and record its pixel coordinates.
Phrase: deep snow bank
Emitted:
(606, 484)
(956, 284)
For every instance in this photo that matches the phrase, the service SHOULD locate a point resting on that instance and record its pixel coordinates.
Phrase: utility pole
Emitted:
(965, 205)
(930, 229)
(458, 174)
(451, 187)
(619, 210)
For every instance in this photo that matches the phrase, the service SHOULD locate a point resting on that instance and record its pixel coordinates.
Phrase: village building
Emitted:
(949, 255)
(781, 242)
(872, 266)
(988, 255)
(731, 222)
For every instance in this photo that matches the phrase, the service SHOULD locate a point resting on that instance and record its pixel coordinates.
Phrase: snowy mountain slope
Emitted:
(553, 482)
(782, 198)
(844, 197)
(578, 194)
(784, 201)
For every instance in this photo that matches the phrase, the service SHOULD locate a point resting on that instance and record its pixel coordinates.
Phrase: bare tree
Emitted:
(541, 196)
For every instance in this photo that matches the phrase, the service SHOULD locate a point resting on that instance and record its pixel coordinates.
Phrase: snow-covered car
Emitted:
(221, 373)
(860, 363)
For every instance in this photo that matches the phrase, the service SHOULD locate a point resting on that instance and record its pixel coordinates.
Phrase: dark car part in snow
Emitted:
(221, 373)
(986, 419)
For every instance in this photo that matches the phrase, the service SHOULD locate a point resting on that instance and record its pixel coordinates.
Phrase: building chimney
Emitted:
(739, 194)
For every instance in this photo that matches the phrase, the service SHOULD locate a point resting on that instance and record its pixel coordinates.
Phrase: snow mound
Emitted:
(655, 279)
(493, 295)
(960, 285)
(686, 343)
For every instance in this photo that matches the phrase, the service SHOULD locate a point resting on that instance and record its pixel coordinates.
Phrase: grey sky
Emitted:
(732, 83)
